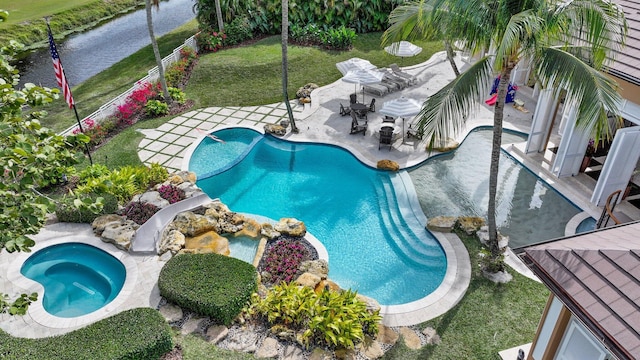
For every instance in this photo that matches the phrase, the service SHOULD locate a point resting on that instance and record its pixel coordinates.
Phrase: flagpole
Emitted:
(73, 103)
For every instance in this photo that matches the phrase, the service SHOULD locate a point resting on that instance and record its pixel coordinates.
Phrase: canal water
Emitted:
(85, 55)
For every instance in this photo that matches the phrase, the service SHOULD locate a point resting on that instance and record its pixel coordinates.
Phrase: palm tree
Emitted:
(285, 63)
(219, 16)
(156, 51)
(567, 43)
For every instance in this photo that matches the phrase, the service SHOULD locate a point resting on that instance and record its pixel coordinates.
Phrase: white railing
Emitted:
(111, 107)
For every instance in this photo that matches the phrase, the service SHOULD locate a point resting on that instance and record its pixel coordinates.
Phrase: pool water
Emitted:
(243, 248)
(351, 208)
(457, 183)
(78, 279)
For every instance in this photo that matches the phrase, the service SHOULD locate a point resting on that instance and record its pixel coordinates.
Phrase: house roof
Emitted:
(626, 63)
(597, 276)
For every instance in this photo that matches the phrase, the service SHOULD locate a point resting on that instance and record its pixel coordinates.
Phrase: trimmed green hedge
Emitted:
(133, 334)
(209, 284)
(67, 212)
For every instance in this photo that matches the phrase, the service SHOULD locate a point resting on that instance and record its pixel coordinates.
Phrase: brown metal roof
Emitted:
(597, 276)
(627, 60)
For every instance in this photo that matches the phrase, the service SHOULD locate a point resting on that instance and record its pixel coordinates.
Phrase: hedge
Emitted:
(208, 284)
(140, 333)
(67, 212)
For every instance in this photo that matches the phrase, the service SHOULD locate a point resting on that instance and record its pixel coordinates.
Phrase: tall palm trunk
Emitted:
(451, 57)
(219, 16)
(156, 51)
(498, 116)
(285, 63)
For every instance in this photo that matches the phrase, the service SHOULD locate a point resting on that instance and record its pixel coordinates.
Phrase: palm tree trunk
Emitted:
(498, 116)
(285, 63)
(451, 57)
(156, 51)
(219, 16)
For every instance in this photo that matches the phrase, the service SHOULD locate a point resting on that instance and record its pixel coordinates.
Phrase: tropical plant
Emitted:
(281, 261)
(155, 108)
(545, 32)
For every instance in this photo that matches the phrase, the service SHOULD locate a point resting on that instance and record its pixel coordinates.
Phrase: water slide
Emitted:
(492, 100)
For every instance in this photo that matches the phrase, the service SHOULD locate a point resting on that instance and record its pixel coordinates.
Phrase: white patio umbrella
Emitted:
(354, 64)
(403, 49)
(401, 107)
(363, 77)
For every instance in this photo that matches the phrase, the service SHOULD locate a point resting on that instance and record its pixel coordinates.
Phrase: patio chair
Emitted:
(353, 98)
(414, 132)
(372, 105)
(376, 89)
(389, 119)
(386, 136)
(398, 72)
(344, 111)
(358, 125)
(402, 82)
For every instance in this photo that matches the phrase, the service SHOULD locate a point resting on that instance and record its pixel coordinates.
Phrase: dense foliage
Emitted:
(208, 284)
(80, 209)
(281, 261)
(133, 334)
(171, 193)
(337, 319)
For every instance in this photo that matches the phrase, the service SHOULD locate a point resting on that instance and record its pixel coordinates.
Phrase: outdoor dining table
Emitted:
(360, 108)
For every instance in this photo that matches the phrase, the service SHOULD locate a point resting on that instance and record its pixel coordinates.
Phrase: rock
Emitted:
(470, 224)
(171, 312)
(432, 337)
(319, 268)
(447, 145)
(250, 228)
(501, 277)
(100, 222)
(284, 123)
(320, 354)
(371, 348)
(292, 352)
(268, 231)
(191, 224)
(372, 304)
(120, 235)
(346, 354)
(483, 235)
(309, 280)
(326, 285)
(192, 326)
(389, 165)
(230, 223)
(291, 227)
(268, 349)
(244, 340)
(151, 197)
(386, 335)
(441, 223)
(165, 257)
(274, 129)
(216, 333)
(209, 242)
(189, 189)
(172, 240)
(215, 209)
(410, 337)
(181, 177)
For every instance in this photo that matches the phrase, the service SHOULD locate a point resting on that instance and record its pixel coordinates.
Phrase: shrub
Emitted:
(140, 333)
(135, 102)
(157, 174)
(176, 72)
(238, 31)
(210, 40)
(171, 193)
(281, 261)
(94, 131)
(208, 284)
(177, 95)
(338, 39)
(336, 319)
(139, 212)
(68, 211)
(155, 108)
(310, 34)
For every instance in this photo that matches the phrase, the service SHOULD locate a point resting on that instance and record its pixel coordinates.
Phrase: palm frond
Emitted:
(445, 112)
(520, 29)
(408, 22)
(595, 94)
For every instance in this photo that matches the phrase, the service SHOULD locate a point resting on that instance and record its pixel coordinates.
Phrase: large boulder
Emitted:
(120, 234)
(181, 177)
(250, 228)
(269, 232)
(319, 268)
(215, 209)
(102, 221)
(470, 224)
(151, 197)
(389, 165)
(191, 224)
(209, 242)
(172, 240)
(291, 227)
(274, 129)
(441, 223)
(411, 339)
(308, 280)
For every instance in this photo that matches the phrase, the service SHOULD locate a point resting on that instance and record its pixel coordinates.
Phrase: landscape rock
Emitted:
(500, 277)
(346, 354)
(192, 326)
(172, 240)
(371, 348)
(292, 352)
(470, 224)
(410, 337)
(192, 224)
(181, 177)
(268, 349)
(215, 209)
(250, 228)
(291, 227)
(101, 221)
(372, 304)
(120, 235)
(171, 312)
(319, 267)
(209, 242)
(274, 129)
(389, 165)
(326, 285)
(386, 335)
(230, 222)
(320, 354)
(441, 223)
(244, 340)
(189, 189)
(308, 280)
(269, 232)
(151, 197)
(432, 337)
(216, 333)
(447, 145)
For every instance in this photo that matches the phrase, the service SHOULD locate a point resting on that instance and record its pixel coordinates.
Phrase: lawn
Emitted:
(26, 10)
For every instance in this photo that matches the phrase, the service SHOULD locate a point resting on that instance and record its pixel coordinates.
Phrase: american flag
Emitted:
(60, 77)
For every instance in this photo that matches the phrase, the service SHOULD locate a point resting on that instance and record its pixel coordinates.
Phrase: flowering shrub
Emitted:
(209, 40)
(94, 131)
(140, 212)
(135, 102)
(282, 260)
(171, 193)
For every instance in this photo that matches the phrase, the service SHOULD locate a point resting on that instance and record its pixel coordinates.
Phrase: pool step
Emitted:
(406, 234)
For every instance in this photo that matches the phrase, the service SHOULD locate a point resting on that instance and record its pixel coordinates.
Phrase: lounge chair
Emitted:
(372, 105)
(344, 111)
(401, 81)
(398, 72)
(376, 89)
(358, 125)
(386, 136)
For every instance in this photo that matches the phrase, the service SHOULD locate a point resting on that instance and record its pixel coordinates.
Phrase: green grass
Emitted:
(26, 10)
(196, 348)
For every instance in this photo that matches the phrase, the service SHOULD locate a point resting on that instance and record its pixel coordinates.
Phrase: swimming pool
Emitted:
(78, 279)
(456, 183)
(351, 208)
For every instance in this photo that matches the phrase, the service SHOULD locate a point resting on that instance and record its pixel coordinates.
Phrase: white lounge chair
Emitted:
(398, 72)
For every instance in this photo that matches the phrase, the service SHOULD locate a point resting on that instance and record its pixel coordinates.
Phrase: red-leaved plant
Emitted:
(171, 193)
(282, 260)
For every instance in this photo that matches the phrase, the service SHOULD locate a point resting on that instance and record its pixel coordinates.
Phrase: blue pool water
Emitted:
(77, 278)
(528, 209)
(243, 248)
(351, 208)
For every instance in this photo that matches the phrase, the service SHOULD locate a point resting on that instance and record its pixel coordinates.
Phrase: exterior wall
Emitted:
(628, 90)
(548, 347)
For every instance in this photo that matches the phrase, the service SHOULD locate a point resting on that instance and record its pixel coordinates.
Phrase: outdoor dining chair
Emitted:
(353, 98)
(344, 111)
(372, 105)
(358, 125)
(386, 136)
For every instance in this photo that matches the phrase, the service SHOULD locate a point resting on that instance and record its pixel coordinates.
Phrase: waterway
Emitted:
(85, 55)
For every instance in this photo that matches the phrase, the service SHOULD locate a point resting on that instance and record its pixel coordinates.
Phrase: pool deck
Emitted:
(320, 122)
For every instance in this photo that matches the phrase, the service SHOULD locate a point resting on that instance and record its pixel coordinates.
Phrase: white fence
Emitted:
(111, 107)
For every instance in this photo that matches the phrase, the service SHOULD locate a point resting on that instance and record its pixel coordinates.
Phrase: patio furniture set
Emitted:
(393, 79)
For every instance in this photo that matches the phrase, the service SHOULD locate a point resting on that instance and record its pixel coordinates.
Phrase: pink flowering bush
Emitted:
(209, 40)
(282, 260)
(135, 103)
(94, 131)
(171, 193)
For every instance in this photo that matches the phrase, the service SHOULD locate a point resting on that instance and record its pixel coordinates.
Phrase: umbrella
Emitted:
(354, 64)
(363, 77)
(401, 107)
(403, 49)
